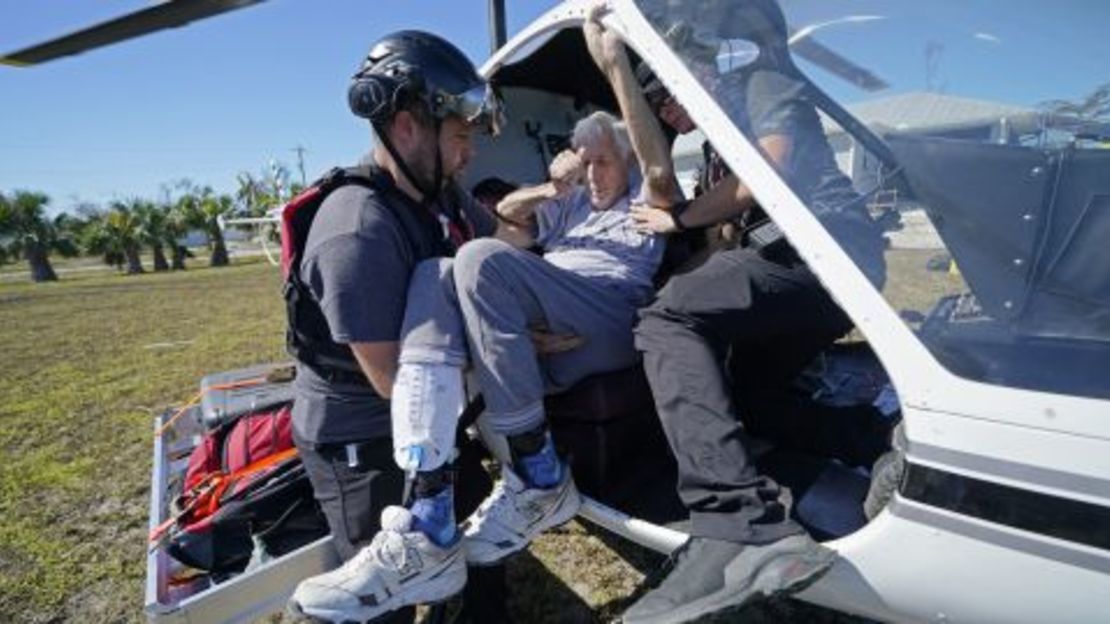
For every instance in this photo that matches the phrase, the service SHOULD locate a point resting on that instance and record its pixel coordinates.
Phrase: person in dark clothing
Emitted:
(424, 100)
(492, 190)
(723, 342)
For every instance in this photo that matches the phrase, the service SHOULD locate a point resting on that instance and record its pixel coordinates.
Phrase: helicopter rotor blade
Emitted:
(170, 14)
(834, 63)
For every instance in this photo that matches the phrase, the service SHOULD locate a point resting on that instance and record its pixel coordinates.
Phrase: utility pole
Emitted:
(300, 149)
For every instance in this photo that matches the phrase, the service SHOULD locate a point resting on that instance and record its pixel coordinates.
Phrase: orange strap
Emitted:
(222, 482)
(202, 489)
(253, 381)
(209, 491)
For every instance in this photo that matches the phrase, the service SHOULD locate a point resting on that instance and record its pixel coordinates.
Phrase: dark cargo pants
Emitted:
(721, 346)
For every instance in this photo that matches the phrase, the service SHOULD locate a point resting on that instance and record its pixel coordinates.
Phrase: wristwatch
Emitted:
(676, 215)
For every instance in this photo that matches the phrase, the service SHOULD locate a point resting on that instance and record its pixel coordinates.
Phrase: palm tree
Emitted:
(176, 228)
(278, 181)
(251, 194)
(97, 240)
(153, 220)
(205, 210)
(26, 231)
(117, 235)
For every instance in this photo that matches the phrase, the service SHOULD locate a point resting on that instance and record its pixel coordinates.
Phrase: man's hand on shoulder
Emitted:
(652, 220)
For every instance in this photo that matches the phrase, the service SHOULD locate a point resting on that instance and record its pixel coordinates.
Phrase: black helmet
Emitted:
(413, 67)
(698, 31)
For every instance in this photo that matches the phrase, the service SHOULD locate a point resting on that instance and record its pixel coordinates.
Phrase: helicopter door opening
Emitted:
(604, 414)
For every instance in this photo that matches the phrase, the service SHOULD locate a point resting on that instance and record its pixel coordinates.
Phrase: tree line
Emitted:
(120, 231)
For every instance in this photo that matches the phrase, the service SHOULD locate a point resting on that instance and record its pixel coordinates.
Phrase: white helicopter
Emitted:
(1004, 381)
(1002, 371)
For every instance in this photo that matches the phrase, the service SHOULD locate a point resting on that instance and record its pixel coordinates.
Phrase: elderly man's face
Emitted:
(606, 173)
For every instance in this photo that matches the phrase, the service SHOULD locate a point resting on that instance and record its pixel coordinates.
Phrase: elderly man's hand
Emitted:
(652, 220)
(547, 343)
(604, 45)
(566, 171)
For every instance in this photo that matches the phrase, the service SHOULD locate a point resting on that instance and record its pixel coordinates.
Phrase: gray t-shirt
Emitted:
(356, 263)
(767, 102)
(602, 245)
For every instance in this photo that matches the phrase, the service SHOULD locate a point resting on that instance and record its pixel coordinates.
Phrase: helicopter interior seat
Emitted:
(1027, 228)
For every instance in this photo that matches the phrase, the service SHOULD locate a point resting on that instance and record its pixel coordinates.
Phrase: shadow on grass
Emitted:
(537, 595)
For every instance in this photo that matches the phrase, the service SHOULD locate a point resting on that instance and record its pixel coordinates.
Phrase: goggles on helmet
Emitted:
(477, 106)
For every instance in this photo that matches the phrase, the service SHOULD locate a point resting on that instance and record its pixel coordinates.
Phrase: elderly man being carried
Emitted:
(500, 307)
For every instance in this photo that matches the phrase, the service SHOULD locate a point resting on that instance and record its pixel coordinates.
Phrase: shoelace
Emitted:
(392, 542)
(500, 502)
(360, 559)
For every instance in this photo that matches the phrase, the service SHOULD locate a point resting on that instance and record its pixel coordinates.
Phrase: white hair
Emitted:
(590, 131)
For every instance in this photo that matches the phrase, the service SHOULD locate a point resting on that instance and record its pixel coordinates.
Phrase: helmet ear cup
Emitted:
(378, 97)
(372, 96)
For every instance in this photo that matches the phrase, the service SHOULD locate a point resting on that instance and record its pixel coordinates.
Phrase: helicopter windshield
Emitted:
(958, 152)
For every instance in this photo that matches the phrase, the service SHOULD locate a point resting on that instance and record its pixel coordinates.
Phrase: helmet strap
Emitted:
(426, 196)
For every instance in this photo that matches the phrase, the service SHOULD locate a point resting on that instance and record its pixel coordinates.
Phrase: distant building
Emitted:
(933, 115)
(919, 113)
(927, 115)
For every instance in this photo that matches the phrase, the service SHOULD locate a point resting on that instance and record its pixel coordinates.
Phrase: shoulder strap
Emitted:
(420, 228)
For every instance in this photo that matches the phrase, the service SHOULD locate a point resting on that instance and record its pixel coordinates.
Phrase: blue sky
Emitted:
(206, 101)
(1019, 52)
(231, 93)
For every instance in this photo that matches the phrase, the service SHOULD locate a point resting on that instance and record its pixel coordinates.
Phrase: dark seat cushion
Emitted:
(608, 429)
(603, 398)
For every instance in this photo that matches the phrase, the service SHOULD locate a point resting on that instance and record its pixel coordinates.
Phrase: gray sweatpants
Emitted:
(480, 307)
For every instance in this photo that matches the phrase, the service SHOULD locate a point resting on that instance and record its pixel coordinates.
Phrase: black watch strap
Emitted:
(676, 215)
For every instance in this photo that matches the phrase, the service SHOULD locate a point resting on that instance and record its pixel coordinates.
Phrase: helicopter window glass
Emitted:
(956, 151)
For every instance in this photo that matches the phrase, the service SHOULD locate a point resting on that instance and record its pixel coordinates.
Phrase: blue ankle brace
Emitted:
(434, 516)
(542, 469)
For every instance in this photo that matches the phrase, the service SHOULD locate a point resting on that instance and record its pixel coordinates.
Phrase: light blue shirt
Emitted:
(601, 245)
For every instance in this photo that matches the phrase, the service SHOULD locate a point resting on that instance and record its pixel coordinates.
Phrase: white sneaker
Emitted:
(400, 567)
(514, 515)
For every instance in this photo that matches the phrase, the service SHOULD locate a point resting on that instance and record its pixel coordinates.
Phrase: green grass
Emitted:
(86, 361)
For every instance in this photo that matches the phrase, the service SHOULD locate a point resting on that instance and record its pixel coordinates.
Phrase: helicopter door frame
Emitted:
(1018, 479)
(1036, 444)
(951, 420)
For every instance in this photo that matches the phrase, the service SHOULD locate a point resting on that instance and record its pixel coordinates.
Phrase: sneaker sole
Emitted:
(436, 590)
(779, 576)
(564, 514)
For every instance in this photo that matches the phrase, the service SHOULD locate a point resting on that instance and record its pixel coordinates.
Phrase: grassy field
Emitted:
(85, 362)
